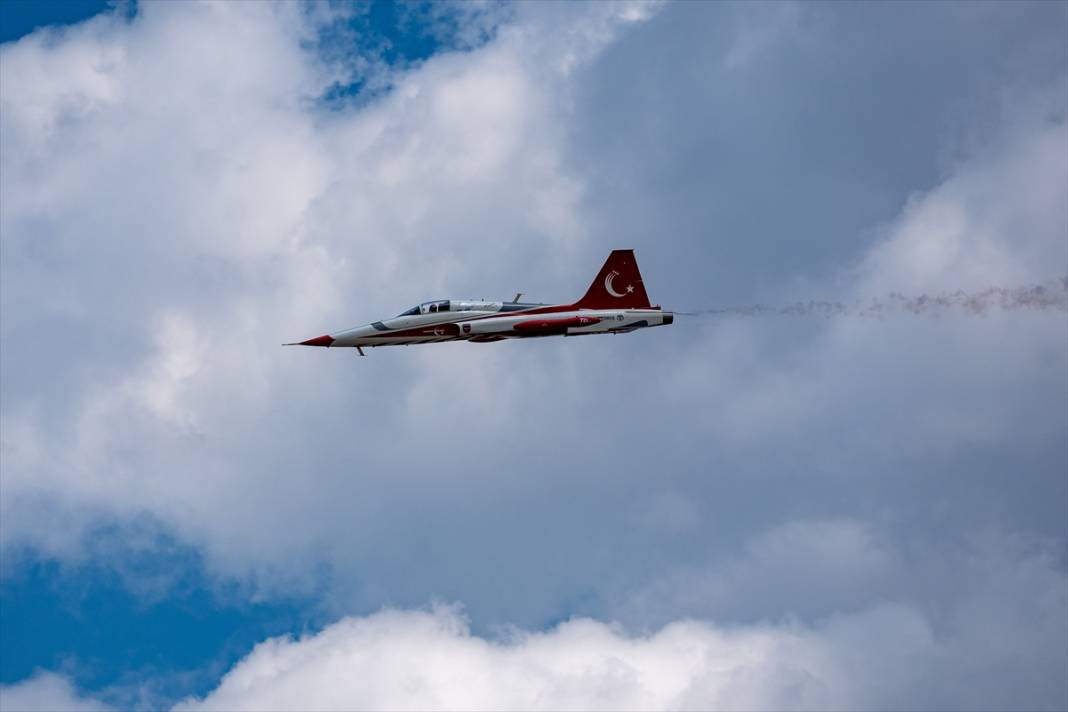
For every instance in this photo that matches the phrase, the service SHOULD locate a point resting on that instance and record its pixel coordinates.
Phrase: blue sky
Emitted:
(802, 513)
(18, 18)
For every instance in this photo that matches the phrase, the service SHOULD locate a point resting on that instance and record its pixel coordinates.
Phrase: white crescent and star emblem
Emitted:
(611, 290)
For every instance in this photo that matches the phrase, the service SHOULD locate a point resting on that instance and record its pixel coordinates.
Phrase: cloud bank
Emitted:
(997, 646)
(851, 514)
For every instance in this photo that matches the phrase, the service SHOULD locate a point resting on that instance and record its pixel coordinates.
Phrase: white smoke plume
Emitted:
(1047, 296)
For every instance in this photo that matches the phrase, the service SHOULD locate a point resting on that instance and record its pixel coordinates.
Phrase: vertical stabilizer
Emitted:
(618, 285)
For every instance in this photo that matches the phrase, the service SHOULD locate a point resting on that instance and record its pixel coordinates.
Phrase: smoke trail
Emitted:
(1048, 296)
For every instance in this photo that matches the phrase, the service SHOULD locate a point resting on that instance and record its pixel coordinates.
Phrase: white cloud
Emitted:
(46, 692)
(995, 643)
(994, 655)
(176, 205)
(998, 218)
(808, 569)
(430, 660)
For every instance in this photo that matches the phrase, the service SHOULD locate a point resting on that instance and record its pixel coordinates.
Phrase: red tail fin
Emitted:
(618, 285)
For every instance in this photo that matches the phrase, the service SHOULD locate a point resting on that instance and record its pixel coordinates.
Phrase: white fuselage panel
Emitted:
(492, 325)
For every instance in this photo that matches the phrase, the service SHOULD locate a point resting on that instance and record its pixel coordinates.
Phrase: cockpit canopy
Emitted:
(450, 305)
(427, 308)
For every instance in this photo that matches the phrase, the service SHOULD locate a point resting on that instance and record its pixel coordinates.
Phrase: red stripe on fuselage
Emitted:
(534, 325)
(453, 327)
(439, 329)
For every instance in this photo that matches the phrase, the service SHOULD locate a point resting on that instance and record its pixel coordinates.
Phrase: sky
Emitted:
(734, 512)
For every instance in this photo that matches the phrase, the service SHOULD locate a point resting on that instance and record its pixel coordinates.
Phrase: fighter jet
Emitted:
(616, 303)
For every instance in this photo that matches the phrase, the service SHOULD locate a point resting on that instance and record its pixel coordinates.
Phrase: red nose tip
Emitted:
(325, 340)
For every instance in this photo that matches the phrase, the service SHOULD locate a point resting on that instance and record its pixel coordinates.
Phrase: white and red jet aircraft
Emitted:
(615, 303)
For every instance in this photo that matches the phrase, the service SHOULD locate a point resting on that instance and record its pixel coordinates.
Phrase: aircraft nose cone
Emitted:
(324, 340)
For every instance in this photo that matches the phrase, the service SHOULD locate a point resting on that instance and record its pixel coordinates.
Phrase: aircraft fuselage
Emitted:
(615, 303)
(484, 322)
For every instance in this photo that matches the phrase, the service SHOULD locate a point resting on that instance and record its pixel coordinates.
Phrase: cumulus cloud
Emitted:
(884, 655)
(430, 660)
(998, 219)
(995, 222)
(47, 692)
(178, 201)
(995, 644)
(178, 157)
(831, 565)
